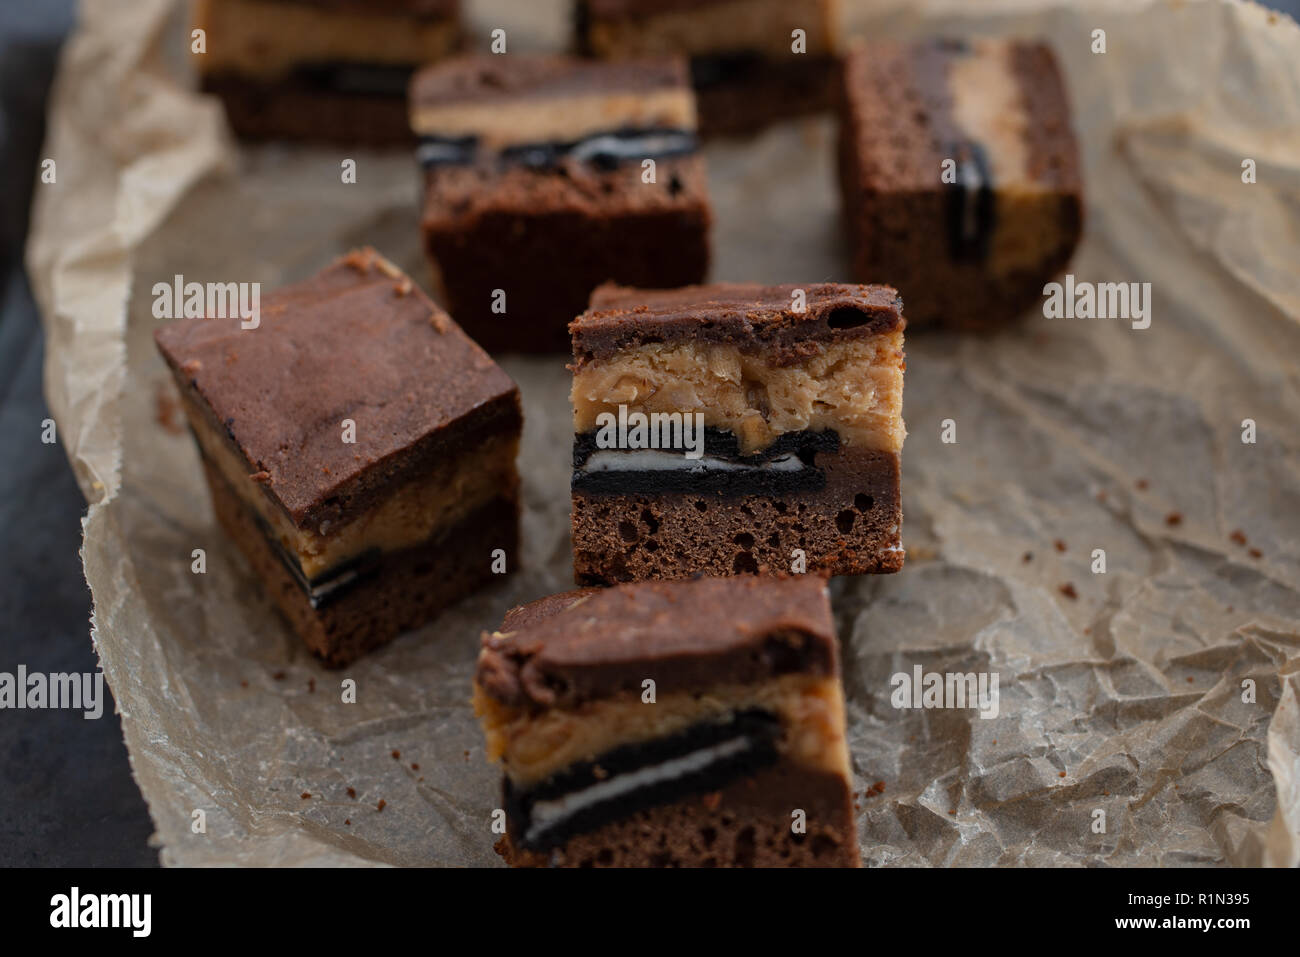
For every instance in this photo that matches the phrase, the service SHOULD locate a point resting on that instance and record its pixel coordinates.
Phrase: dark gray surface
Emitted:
(66, 792)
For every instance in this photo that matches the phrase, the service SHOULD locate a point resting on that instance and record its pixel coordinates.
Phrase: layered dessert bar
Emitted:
(960, 176)
(326, 70)
(737, 428)
(546, 176)
(687, 724)
(749, 64)
(360, 450)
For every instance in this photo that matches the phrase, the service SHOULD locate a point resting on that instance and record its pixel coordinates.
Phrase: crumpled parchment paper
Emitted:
(1121, 692)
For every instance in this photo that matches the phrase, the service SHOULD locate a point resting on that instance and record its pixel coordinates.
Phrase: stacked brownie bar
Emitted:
(671, 724)
(360, 450)
(960, 176)
(334, 70)
(797, 392)
(546, 176)
(752, 61)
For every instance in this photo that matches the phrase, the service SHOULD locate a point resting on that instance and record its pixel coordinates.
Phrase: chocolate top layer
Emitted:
(357, 341)
(686, 636)
(747, 315)
(902, 148)
(490, 79)
(415, 8)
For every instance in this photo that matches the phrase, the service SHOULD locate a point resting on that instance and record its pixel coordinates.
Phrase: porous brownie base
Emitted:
(292, 111)
(549, 238)
(850, 527)
(963, 296)
(406, 589)
(766, 91)
(746, 824)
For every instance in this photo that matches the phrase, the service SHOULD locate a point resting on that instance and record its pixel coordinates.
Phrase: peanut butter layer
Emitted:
(853, 387)
(562, 119)
(989, 107)
(454, 488)
(533, 746)
(621, 29)
(506, 101)
(259, 38)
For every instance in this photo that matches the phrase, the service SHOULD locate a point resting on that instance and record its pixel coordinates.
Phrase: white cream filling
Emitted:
(655, 460)
(545, 815)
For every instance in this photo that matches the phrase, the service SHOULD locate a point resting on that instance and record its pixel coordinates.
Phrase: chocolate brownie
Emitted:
(546, 176)
(960, 176)
(748, 64)
(325, 70)
(730, 428)
(666, 724)
(360, 450)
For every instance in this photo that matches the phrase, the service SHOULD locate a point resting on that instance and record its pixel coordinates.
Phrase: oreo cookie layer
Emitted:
(705, 757)
(786, 466)
(604, 150)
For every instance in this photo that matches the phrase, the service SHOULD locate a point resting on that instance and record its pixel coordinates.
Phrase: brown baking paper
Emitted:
(1120, 692)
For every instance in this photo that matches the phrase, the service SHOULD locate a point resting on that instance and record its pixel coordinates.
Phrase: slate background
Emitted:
(66, 793)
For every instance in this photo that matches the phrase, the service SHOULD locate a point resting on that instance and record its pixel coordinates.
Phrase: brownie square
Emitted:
(737, 428)
(360, 451)
(682, 724)
(744, 65)
(536, 188)
(321, 70)
(973, 252)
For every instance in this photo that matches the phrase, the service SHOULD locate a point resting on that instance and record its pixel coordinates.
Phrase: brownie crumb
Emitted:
(347, 821)
(279, 676)
(243, 684)
(875, 789)
(397, 755)
(381, 805)
(166, 411)
(1060, 545)
(1068, 591)
(1255, 553)
(1061, 775)
(1238, 537)
(414, 766)
(1191, 680)
(352, 793)
(1141, 485)
(306, 795)
(1027, 557)
(1174, 518)
(311, 685)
